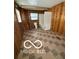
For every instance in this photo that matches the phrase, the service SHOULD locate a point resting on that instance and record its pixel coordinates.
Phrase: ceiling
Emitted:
(39, 3)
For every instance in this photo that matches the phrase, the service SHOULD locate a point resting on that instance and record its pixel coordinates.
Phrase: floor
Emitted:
(53, 45)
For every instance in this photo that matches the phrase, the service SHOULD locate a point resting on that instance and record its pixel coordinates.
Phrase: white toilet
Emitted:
(35, 24)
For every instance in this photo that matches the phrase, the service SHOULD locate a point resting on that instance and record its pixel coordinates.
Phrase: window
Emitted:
(34, 16)
(18, 15)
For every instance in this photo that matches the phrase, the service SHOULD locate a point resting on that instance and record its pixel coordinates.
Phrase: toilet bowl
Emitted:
(35, 24)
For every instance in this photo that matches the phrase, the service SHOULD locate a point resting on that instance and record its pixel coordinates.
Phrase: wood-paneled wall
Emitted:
(58, 18)
(27, 23)
(25, 19)
(19, 29)
(17, 37)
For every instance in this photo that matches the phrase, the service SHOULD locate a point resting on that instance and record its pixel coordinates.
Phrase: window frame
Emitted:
(37, 16)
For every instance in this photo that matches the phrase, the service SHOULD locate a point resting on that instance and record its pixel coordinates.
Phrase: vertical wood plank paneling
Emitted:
(62, 21)
(17, 37)
(25, 19)
(54, 23)
(58, 21)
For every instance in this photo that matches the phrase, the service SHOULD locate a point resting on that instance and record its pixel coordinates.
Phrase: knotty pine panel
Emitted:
(58, 18)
